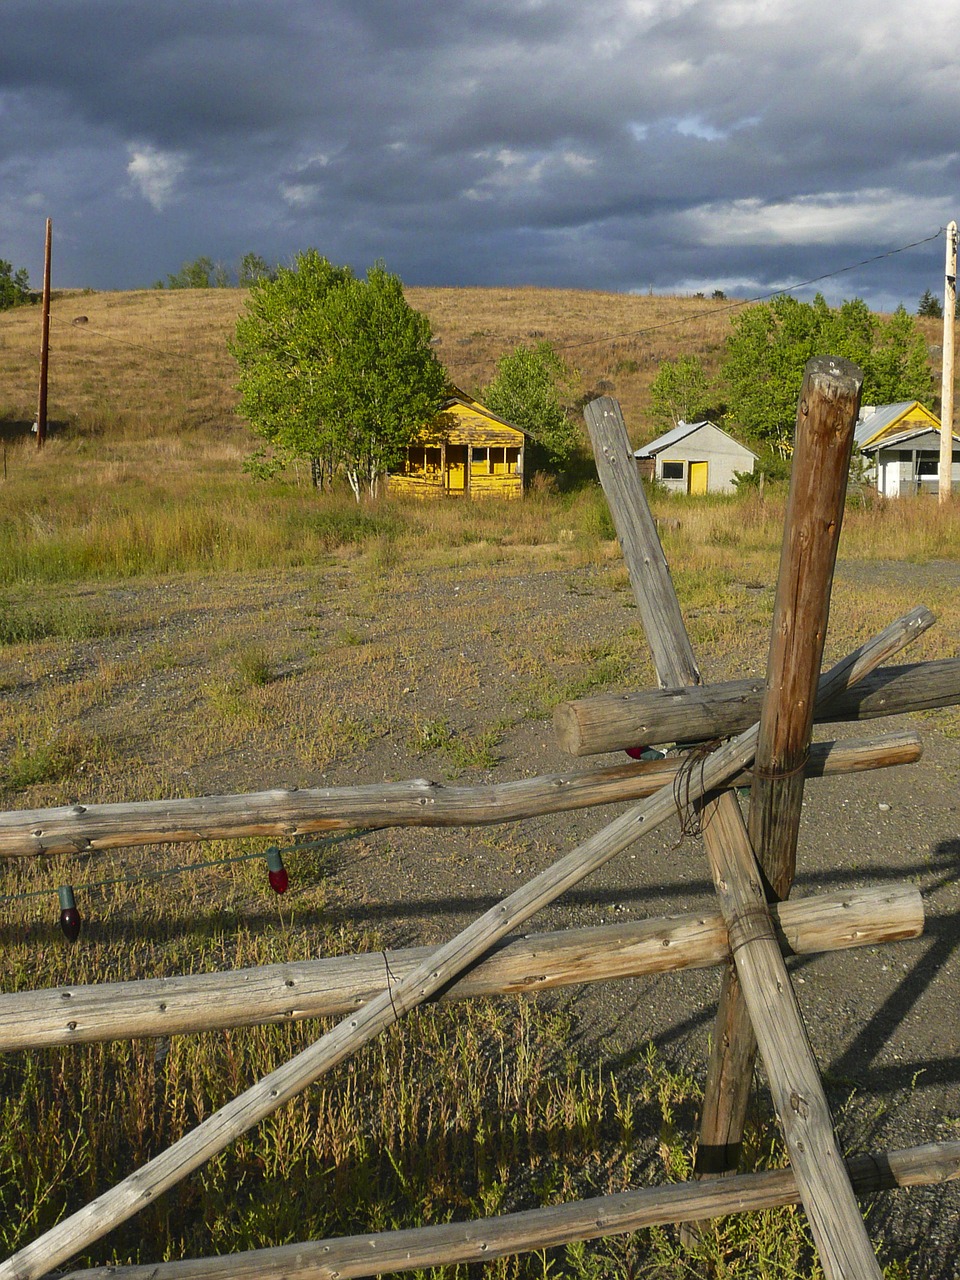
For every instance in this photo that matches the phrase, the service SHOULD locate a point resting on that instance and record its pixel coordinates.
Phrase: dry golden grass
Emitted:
(151, 362)
(155, 362)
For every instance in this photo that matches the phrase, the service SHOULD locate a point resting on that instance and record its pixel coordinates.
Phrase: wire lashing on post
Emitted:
(688, 794)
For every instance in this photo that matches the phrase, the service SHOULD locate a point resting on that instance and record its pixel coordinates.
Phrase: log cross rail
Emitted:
(287, 814)
(700, 713)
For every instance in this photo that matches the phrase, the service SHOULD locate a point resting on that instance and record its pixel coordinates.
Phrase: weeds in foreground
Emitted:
(462, 751)
(22, 623)
(458, 1113)
(254, 666)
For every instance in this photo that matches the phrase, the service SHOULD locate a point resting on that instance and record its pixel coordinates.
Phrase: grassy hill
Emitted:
(154, 361)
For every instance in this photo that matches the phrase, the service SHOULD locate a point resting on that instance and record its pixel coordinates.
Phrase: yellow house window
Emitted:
(504, 462)
(480, 462)
(415, 460)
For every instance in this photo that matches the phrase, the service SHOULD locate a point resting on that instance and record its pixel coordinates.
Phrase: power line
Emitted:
(136, 346)
(746, 302)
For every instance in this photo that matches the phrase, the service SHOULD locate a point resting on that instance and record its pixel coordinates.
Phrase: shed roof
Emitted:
(900, 438)
(875, 419)
(681, 432)
(458, 397)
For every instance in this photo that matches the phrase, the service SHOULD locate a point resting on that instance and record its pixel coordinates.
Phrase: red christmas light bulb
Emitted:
(277, 872)
(69, 915)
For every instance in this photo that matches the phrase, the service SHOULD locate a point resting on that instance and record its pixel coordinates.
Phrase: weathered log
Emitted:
(835, 1219)
(386, 1252)
(123, 1200)
(826, 414)
(287, 814)
(646, 564)
(610, 722)
(521, 966)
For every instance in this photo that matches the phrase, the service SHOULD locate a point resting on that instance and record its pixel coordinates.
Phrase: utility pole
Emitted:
(946, 386)
(44, 341)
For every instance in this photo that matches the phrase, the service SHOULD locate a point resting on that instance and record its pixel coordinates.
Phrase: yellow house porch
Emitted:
(466, 451)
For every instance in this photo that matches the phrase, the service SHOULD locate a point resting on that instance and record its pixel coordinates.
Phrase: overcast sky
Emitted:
(629, 145)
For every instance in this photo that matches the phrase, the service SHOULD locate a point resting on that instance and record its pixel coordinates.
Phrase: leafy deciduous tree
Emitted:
(527, 391)
(771, 343)
(679, 392)
(252, 268)
(192, 275)
(336, 368)
(14, 286)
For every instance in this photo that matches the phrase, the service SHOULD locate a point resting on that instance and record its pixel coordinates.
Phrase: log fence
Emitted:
(752, 868)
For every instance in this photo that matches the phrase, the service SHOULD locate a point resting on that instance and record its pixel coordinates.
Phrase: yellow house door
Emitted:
(456, 468)
(698, 477)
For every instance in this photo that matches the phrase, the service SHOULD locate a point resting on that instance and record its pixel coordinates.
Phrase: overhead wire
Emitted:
(746, 302)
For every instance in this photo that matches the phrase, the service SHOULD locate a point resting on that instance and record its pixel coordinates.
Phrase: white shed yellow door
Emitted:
(698, 477)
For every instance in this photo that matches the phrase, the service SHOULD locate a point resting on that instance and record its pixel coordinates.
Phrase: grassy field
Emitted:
(163, 615)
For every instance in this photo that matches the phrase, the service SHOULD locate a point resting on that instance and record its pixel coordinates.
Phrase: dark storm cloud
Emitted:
(622, 144)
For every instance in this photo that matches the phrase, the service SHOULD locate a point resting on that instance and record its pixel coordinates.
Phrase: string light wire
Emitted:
(160, 873)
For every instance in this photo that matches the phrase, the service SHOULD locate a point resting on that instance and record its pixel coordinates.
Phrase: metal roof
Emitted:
(678, 433)
(903, 437)
(881, 417)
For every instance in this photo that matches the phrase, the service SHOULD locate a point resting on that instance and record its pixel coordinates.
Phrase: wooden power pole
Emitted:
(44, 341)
(946, 386)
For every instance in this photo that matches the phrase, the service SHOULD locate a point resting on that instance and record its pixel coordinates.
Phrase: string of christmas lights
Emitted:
(71, 922)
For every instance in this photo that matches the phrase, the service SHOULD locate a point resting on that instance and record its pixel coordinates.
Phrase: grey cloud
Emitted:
(479, 141)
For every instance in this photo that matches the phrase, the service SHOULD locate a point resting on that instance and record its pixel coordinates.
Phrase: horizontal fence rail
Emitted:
(317, 988)
(609, 722)
(486, 1238)
(288, 813)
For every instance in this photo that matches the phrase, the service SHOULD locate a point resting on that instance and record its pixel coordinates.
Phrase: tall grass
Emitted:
(462, 1112)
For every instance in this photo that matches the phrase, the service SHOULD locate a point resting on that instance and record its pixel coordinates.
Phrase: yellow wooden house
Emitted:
(466, 451)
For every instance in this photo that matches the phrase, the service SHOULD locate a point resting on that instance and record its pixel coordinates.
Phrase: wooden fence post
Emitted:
(828, 1197)
(646, 564)
(826, 416)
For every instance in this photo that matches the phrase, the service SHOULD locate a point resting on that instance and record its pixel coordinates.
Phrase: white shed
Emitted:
(696, 457)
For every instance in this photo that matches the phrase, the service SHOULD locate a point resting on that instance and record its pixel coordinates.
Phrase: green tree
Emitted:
(680, 392)
(252, 268)
(14, 286)
(192, 275)
(770, 344)
(336, 369)
(930, 305)
(527, 391)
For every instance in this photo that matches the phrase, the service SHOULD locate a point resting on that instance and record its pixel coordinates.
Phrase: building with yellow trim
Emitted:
(466, 451)
(901, 444)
